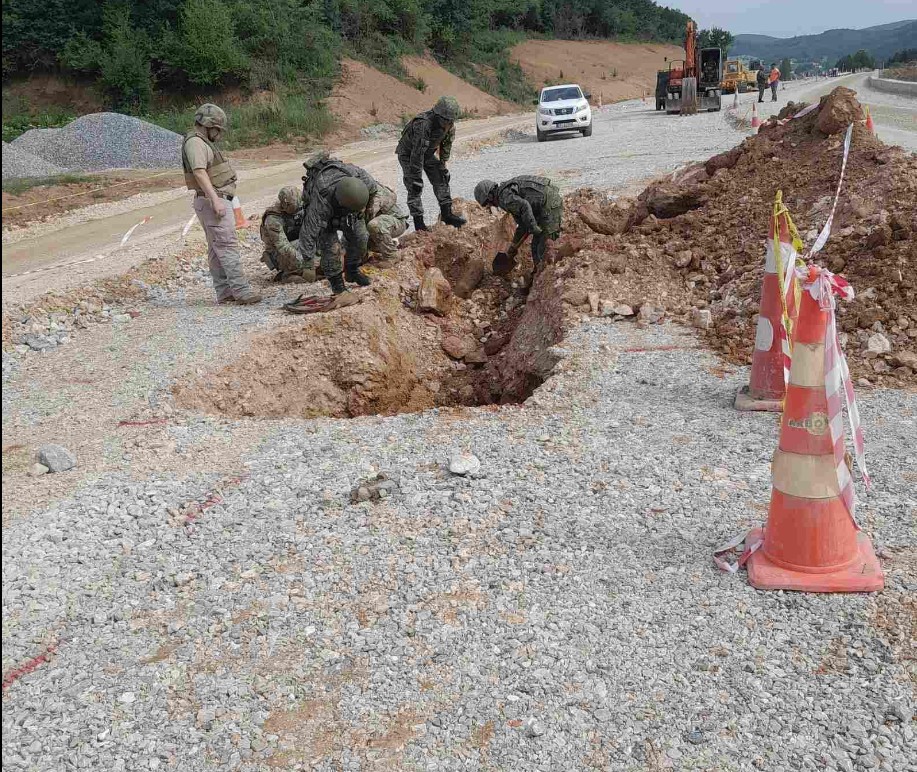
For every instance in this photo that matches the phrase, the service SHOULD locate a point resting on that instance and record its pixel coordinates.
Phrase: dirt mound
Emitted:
(365, 96)
(698, 240)
(613, 71)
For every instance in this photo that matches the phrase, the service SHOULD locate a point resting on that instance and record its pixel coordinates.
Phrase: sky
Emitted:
(787, 18)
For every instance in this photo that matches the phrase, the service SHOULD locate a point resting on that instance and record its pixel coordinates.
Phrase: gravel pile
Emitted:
(19, 163)
(104, 141)
(555, 609)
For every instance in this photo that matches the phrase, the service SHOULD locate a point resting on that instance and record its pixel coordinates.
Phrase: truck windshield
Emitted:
(557, 94)
(732, 67)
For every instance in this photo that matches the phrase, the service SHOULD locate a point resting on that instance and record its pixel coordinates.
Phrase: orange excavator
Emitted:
(694, 83)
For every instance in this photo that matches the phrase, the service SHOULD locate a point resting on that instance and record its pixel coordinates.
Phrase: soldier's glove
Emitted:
(308, 275)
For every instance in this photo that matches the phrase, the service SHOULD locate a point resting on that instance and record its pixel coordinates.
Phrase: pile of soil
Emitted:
(698, 240)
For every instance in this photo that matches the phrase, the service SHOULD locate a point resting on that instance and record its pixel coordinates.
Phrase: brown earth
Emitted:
(364, 96)
(610, 71)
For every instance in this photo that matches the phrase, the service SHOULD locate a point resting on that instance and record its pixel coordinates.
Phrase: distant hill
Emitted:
(881, 42)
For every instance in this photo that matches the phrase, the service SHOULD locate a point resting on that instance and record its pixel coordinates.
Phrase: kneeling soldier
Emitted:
(280, 225)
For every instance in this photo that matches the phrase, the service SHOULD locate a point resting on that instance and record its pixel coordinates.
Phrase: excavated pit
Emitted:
(692, 241)
(479, 340)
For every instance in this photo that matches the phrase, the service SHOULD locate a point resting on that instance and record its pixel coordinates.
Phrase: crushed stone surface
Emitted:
(101, 141)
(19, 163)
(203, 592)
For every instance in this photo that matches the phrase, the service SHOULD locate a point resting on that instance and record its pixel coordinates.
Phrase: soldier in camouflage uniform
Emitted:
(427, 135)
(536, 205)
(280, 225)
(385, 221)
(335, 196)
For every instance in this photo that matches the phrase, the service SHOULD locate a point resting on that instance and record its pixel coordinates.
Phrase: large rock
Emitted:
(56, 458)
(464, 464)
(838, 110)
(878, 344)
(435, 293)
(666, 201)
(723, 161)
(597, 221)
(470, 278)
(459, 346)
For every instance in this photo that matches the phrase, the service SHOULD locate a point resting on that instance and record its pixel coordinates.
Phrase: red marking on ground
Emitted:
(150, 422)
(195, 509)
(27, 667)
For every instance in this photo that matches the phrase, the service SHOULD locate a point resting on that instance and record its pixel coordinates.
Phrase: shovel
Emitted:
(503, 264)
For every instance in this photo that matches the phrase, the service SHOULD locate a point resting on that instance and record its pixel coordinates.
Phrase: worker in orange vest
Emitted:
(773, 79)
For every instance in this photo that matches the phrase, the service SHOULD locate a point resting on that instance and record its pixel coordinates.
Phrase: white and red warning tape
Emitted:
(838, 386)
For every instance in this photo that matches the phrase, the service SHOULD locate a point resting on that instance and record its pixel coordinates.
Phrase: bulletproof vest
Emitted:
(409, 133)
(315, 173)
(291, 222)
(220, 170)
(529, 187)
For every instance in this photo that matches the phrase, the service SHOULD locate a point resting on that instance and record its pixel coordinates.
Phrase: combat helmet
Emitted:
(352, 193)
(483, 191)
(210, 116)
(290, 199)
(447, 108)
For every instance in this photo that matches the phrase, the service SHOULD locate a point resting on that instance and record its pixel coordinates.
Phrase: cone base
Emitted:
(865, 575)
(745, 402)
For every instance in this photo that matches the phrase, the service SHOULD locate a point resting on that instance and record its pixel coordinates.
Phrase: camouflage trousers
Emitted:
(356, 238)
(383, 230)
(282, 262)
(413, 182)
(550, 220)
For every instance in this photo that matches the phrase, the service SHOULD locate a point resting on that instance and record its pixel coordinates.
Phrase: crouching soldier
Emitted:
(428, 134)
(386, 220)
(280, 226)
(536, 205)
(335, 195)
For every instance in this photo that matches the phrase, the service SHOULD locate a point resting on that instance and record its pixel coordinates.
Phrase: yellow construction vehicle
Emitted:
(737, 76)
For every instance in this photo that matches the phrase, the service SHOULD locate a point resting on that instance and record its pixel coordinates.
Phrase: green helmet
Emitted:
(290, 199)
(483, 191)
(211, 117)
(352, 194)
(447, 108)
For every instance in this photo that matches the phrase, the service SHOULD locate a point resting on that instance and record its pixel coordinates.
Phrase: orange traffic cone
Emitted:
(771, 358)
(811, 541)
(870, 126)
(755, 120)
(241, 222)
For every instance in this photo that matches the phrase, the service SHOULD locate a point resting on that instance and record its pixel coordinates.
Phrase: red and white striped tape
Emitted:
(826, 230)
(130, 231)
(838, 386)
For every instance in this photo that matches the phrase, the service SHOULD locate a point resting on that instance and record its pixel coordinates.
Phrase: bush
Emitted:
(206, 48)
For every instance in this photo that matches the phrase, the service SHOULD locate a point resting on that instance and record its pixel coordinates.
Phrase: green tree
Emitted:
(206, 48)
(786, 69)
(715, 38)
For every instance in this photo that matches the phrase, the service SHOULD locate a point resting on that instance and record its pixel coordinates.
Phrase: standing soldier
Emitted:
(386, 220)
(211, 176)
(426, 135)
(280, 225)
(761, 80)
(536, 205)
(335, 195)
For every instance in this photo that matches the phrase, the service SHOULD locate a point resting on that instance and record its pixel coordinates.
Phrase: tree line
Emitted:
(136, 48)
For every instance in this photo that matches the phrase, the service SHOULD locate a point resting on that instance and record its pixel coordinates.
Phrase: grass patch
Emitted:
(16, 187)
(489, 67)
(18, 118)
(281, 115)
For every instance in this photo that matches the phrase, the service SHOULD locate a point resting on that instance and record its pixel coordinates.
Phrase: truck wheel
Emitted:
(540, 134)
(587, 132)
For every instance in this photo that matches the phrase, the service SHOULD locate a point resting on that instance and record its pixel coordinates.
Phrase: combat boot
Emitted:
(419, 224)
(357, 276)
(450, 218)
(337, 284)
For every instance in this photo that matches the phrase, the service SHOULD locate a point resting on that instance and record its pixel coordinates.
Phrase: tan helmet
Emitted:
(352, 194)
(290, 199)
(447, 108)
(211, 117)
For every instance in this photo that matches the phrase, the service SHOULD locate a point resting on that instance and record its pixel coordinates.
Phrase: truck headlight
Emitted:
(545, 111)
(582, 108)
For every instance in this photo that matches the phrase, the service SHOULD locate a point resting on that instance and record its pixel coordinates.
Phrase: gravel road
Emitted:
(558, 610)
(200, 594)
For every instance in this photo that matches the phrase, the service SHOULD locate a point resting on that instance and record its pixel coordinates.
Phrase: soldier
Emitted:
(211, 176)
(336, 195)
(536, 205)
(426, 135)
(386, 220)
(280, 225)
